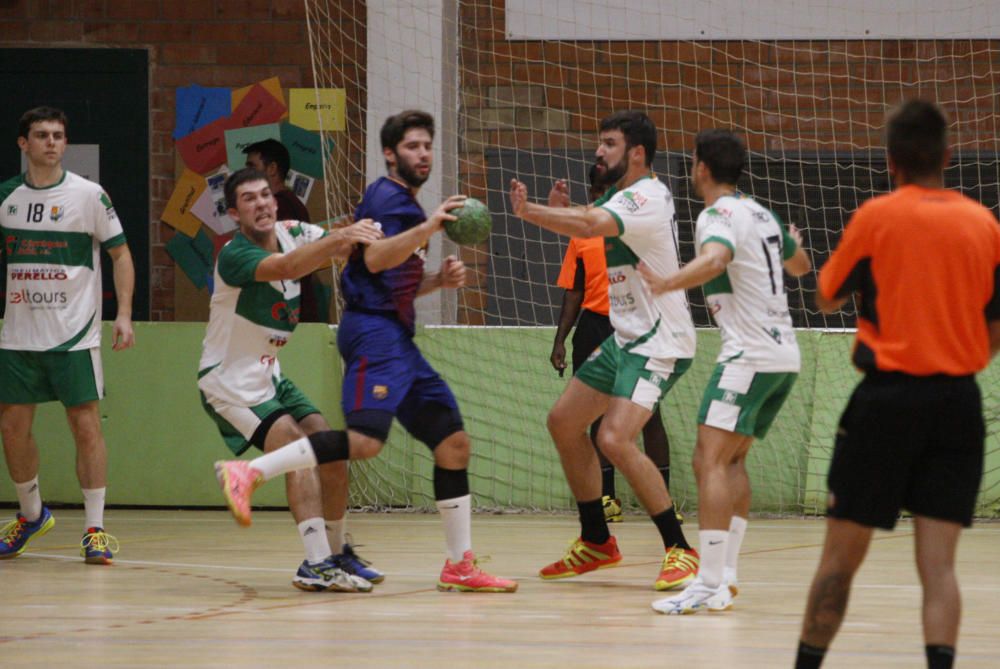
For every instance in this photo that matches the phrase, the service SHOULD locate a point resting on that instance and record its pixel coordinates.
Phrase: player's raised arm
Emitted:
(307, 259)
(395, 249)
(568, 221)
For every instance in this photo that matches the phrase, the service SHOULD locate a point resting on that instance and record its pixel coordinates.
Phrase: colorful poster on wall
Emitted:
(313, 108)
(178, 213)
(197, 106)
(304, 149)
(272, 86)
(240, 138)
(205, 149)
(193, 255)
(257, 108)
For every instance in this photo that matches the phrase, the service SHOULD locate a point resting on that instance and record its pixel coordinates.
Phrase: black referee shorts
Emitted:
(591, 330)
(907, 442)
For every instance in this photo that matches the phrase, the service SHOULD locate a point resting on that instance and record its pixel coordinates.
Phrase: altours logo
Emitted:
(38, 298)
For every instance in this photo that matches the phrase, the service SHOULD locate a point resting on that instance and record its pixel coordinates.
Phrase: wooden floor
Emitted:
(190, 589)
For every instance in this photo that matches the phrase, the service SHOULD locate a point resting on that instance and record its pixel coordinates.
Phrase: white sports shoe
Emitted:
(694, 598)
(729, 579)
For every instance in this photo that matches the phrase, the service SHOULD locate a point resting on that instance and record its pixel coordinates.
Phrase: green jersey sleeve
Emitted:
(238, 262)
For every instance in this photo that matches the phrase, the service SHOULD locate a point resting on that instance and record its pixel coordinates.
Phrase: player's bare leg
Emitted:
(936, 542)
(97, 546)
(739, 488)
(569, 421)
(843, 552)
(21, 454)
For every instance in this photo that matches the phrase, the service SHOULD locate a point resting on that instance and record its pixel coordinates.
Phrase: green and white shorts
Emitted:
(238, 423)
(34, 377)
(616, 372)
(740, 399)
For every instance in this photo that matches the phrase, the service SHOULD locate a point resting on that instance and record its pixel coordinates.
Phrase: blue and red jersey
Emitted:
(391, 292)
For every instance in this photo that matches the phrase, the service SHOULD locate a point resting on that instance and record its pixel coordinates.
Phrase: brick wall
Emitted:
(209, 42)
(784, 96)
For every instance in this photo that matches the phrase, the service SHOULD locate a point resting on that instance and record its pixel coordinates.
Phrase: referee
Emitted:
(922, 262)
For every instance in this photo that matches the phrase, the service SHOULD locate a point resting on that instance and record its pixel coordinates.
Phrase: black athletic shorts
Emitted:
(907, 442)
(591, 330)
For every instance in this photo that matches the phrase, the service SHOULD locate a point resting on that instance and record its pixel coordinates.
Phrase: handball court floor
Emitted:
(191, 589)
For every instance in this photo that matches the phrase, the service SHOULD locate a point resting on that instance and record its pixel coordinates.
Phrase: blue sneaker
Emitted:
(327, 575)
(15, 535)
(353, 563)
(97, 546)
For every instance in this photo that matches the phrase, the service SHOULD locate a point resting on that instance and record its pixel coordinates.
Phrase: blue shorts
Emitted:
(385, 371)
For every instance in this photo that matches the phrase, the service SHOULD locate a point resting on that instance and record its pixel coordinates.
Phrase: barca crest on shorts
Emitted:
(380, 392)
(56, 213)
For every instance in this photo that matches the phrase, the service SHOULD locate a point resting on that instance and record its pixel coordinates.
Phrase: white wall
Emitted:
(751, 19)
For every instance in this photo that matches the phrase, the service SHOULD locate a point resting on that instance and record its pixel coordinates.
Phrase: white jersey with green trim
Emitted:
(52, 244)
(656, 326)
(249, 320)
(748, 300)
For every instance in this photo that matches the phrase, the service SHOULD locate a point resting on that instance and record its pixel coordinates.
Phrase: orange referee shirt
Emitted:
(924, 264)
(589, 252)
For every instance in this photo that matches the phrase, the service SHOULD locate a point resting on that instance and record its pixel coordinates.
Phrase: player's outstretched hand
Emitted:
(558, 357)
(518, 196)
(796, 234)
(559, 195)
(441, 214)
(656, 283)
(364, 231)
(122, 334)
(452, 273)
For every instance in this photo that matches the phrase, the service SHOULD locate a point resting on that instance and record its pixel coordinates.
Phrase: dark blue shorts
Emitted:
(385, 371)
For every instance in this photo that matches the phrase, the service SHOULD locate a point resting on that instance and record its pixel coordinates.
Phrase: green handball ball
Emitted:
(472, 224)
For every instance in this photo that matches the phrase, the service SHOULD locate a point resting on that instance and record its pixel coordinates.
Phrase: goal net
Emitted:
(519, 88)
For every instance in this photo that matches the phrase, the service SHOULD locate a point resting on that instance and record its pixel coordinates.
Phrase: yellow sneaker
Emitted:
(612, 509)
(98, 547)
(680, 566)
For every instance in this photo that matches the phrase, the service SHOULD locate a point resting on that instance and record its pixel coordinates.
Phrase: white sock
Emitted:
(314, 539)
(335, 533)
(93, 507)
(737, 530)
(30, 499)
(289, 458)
(457, 516)
(713, 556)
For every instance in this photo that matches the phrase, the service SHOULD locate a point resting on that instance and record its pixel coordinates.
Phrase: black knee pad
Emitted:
(260, 434)
(437, 423)
(371, 423)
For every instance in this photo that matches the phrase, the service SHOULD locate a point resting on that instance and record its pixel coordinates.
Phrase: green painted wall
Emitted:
(162, 445)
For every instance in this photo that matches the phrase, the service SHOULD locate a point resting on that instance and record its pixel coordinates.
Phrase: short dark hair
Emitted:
(638, 129)
(272, 151)
(917, 138)
(723, 152)
(395, 127)
(237, 179)
(40, 114)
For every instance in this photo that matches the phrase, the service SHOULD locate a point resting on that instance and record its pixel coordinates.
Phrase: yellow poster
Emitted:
(311, 107)
(178, 214)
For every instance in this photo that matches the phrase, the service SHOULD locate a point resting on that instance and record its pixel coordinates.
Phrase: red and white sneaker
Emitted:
(680, 566)
(238, 480)
(466, 576)
(583, 556)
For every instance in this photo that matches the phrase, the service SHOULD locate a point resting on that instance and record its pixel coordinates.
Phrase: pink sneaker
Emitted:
(466, 576)
(238, 480)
